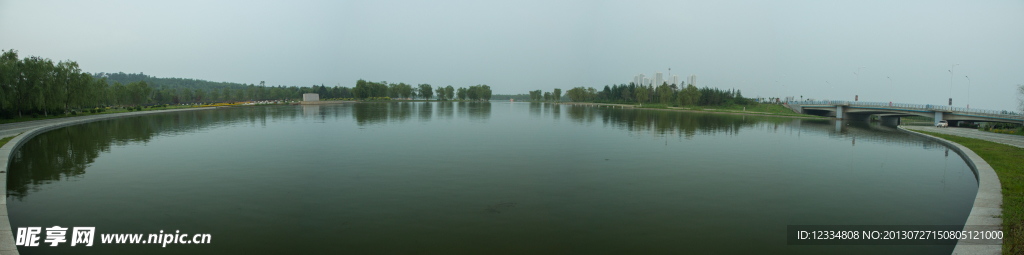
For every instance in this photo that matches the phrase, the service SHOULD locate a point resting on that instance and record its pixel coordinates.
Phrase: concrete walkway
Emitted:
(31, 129)
(987, 212)
(1012, 140)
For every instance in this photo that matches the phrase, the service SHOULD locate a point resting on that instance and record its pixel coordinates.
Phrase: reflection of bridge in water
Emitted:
(667, 123)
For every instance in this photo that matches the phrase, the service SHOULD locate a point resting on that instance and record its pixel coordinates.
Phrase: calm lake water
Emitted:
(481, 178)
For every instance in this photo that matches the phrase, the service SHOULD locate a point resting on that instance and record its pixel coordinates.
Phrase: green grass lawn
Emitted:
(1008, 162)
(7, 139)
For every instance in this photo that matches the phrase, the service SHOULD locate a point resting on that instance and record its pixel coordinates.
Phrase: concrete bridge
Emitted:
(891, 112)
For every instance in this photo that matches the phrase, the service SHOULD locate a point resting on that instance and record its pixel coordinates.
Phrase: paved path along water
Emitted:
(1012, 140)
(12, 129)
(31, 129)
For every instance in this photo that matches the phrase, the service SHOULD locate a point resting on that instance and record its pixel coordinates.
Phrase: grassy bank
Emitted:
(763, 109)
(1008, 162)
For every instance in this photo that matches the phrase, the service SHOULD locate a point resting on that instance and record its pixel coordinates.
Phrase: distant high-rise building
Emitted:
(658, 80)
(643, 80)
(647, 81)
(675, 79)
(692, 80)
(636, 79)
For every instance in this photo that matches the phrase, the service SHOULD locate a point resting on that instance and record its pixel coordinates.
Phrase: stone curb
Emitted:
(988, 202)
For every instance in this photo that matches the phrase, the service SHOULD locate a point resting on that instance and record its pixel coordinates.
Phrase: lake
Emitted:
(481, 178)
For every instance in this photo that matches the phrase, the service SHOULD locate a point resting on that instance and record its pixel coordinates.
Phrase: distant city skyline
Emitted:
(811, 48)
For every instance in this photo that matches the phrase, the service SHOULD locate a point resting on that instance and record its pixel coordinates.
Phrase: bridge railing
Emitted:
(928, 107)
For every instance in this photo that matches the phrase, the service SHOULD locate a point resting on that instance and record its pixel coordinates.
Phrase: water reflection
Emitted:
(478, 110)
(446, 110)
(426, 111)
(536, 109)
(66, 153)
(664, 123)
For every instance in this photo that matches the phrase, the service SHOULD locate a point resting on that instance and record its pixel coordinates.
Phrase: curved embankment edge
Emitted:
(6, 152)
(987, 210)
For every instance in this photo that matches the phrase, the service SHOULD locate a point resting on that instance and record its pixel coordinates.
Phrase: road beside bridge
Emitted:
(1011, 140)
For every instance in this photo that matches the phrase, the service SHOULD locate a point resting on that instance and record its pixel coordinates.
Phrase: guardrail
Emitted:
(928, 107)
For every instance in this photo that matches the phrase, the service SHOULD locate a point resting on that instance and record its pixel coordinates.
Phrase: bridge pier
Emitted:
(839, 112)
(938, 117)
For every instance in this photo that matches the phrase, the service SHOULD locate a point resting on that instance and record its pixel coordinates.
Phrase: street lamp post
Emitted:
(890, 90)
(856, 96)
(968, 92)
(829, 86)
(777, 91)
(951, 84)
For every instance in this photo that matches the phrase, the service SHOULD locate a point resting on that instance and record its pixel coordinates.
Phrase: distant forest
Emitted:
(168, 83)
(665, 94)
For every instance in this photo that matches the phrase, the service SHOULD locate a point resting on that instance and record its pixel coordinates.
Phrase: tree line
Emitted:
(369, 89)
(39, 86)
(632, 93)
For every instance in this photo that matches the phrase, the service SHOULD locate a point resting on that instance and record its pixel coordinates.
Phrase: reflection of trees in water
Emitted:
(65, 153)
(689, 124)
(479, 110)
(426, 111)
(665, 122)
(374, 113)
(378, 113)
(536, 109)
(445, 110)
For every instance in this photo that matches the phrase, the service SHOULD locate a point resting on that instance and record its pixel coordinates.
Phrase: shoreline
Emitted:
(678, 109)
(987, 209)
(6, 230)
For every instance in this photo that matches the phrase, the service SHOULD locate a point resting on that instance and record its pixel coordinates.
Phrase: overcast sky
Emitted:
(763, 48)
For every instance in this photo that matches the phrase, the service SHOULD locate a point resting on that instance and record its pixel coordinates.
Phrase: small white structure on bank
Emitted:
(309, 97)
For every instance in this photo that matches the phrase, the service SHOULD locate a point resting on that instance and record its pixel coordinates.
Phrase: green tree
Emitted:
(463, 93)
(557, 95)
(485, 92)
(226, 92)
(449, 92)
(214, 95)
(664, 94)
(1020, 97)
(426, 92)
(440, 93)
(641, 95)
(9, 77)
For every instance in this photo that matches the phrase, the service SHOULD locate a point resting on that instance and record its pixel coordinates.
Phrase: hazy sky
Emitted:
(763, 48)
